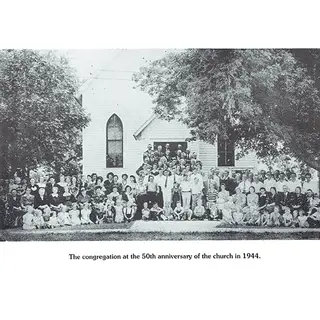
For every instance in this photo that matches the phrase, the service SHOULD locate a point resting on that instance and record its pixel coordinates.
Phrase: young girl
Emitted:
(179, 212)
(302, 219)
(274, 218)
(295, 220)
(145, 211)
(264, 219)
(238, 216)
(118, 218)
(38, 219)
(110, 213)
(168, 211)
(247, 216)
(287, 217)
(28, 219)
(53, 221)
(75, 215)
(199, 211)
(255, 216)
(85, 214)
(64, 217)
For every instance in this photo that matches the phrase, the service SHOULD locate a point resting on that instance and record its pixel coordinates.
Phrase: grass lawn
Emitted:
(122, 232)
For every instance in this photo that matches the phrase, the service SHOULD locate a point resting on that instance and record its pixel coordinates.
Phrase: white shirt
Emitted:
(185, 185)
(244, 186)
(269, 183)
(196, 187)
(160, 180)
(280, 184)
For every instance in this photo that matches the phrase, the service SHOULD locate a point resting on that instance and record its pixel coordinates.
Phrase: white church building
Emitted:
(123, 123)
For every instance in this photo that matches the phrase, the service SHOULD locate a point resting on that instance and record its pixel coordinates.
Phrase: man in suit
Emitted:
(285, 197)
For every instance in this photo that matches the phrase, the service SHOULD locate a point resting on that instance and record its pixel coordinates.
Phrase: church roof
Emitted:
(144, 125)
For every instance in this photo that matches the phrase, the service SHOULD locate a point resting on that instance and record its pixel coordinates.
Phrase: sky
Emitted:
(89, 62)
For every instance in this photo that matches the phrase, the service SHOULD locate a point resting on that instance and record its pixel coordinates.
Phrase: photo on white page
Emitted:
(159, 144)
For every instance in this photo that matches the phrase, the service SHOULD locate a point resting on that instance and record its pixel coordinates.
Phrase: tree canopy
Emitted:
(40, 119)
(264, 100)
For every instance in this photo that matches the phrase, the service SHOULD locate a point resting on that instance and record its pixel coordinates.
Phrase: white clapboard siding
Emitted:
(208, 155)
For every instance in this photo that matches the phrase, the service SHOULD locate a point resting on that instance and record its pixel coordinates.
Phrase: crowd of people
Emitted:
(169, 185)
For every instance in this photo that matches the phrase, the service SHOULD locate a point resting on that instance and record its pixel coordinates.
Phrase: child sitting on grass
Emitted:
(212, 211)
(75, 215)
(85, 214)
(313, 219)
(199, 211)
(179, 212)
(264, 219)
(237, 216)
(64, 217)
(247, 216)
(274, 217)
(167, 211)
(255, 216)
(53, 221)
(110, 212)
(118, 218)
(38, 219)
(28, 219)
(145, 211)
(295, 220)
(302, 219)
(155, 212)
(287, 217)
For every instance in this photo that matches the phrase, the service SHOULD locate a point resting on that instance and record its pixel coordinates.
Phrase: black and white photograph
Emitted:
(159, 144)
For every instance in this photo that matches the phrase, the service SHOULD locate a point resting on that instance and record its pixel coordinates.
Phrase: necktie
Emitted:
(174, 178)
(165, 185)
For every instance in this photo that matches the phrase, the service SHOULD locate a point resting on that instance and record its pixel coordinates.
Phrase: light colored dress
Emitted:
(28, 222)
(75, 219)
(119, 214)
(85, 216)
(53, 222)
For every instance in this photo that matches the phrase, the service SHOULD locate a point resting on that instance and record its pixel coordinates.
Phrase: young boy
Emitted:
(274, 218)
(38, 219)
(302, 219)
(155, 212)
(28, 219)
(145, 211)
(287, 217)
(179, 212)
(313, 219)
(199, 211)
(295, 220)
(264, 219)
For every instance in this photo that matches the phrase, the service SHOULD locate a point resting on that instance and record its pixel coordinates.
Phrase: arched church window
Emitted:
(114, 156)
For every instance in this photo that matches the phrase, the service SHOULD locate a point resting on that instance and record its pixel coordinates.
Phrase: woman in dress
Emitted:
(252, 198)
(239, 199)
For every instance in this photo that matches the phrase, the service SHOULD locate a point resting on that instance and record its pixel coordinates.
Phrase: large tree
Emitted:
(40, 119)
(264, 100)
